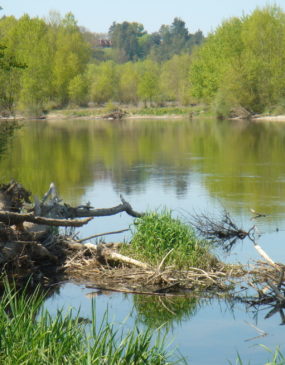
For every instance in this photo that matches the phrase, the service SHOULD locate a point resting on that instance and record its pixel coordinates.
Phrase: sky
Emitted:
(98, 15)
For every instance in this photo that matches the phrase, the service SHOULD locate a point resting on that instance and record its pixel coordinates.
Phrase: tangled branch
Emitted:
(221, 230)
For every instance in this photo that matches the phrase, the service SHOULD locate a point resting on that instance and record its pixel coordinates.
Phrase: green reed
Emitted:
(276, 357)
(29, 335)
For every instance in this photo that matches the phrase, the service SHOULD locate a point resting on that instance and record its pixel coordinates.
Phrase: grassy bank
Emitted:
(29, 335)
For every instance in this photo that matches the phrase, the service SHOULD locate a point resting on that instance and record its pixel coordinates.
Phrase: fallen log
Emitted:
(11, 219)
(266, 257)
(108, 254)
(64, 210)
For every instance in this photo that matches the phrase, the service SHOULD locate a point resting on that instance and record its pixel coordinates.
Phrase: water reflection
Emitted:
(175, 163)
(7, 130)
(209, 331)
(238, 162)
(167, 311)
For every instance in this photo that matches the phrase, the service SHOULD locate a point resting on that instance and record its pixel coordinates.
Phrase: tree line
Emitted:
(52, 62)
(242, 63)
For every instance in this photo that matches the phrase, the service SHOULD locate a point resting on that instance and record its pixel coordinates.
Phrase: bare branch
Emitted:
(221, 230)
(102, 234)
(11, 218)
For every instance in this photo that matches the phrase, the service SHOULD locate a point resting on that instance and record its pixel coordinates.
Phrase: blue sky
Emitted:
(98, 15)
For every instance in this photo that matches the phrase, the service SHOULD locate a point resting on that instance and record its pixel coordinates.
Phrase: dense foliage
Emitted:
(51, 63)
(131, 42)
(242, 63)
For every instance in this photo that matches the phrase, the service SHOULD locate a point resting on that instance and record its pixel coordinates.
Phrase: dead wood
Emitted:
(103, 234)
(66, 211)
(269, 284)
(12, 196)
(25, 249)
(222, 230)
(26, 241)
(11, 218)
(158, 292)
(104, 253)
(266, 257)
(115, 114)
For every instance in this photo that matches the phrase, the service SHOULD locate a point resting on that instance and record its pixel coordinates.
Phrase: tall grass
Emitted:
(29, 335)
(157, 234)
(277, 358)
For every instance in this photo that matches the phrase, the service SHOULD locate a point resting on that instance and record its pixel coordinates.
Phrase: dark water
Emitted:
(201, 165)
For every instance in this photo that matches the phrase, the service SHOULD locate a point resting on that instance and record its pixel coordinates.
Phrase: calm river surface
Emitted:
(202, 166)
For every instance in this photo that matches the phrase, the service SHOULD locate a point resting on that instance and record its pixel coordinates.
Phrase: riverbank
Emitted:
(269, 118)
(127, 112)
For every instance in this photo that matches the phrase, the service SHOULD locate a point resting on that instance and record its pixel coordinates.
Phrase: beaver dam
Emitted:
(164, 256)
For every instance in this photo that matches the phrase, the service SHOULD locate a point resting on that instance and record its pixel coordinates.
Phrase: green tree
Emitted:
(219, 55)
(263, 36)
(72, 54)
(78, 90)
(25, 40)
(10, 72)
(174, 81)
(125, 39)
(148, 85)
(242, 62)
(128, 83)
(175, 39)
(103, 82)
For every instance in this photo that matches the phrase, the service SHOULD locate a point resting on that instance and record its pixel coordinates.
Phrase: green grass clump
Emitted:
(29, 335)
(156, 234)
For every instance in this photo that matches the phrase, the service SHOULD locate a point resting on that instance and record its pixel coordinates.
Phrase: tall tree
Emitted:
(103, 82)
(174, 80)
(72, 54)
(242, 62)
(128, 83)
(175, 39)
(148, 85)
(125, 39)
(10, 73)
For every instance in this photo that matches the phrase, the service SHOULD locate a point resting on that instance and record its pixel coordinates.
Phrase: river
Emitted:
(187, 166)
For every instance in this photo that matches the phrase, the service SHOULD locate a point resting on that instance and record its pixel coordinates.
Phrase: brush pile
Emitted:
(31, 246)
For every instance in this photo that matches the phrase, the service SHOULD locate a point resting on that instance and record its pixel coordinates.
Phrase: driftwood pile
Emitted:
(115, 114)
(30, 243)
(266, 278)
(31, 246)
(110, 273)
(268, 284)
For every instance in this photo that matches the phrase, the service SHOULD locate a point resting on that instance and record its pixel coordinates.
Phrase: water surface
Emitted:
(186, 166)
